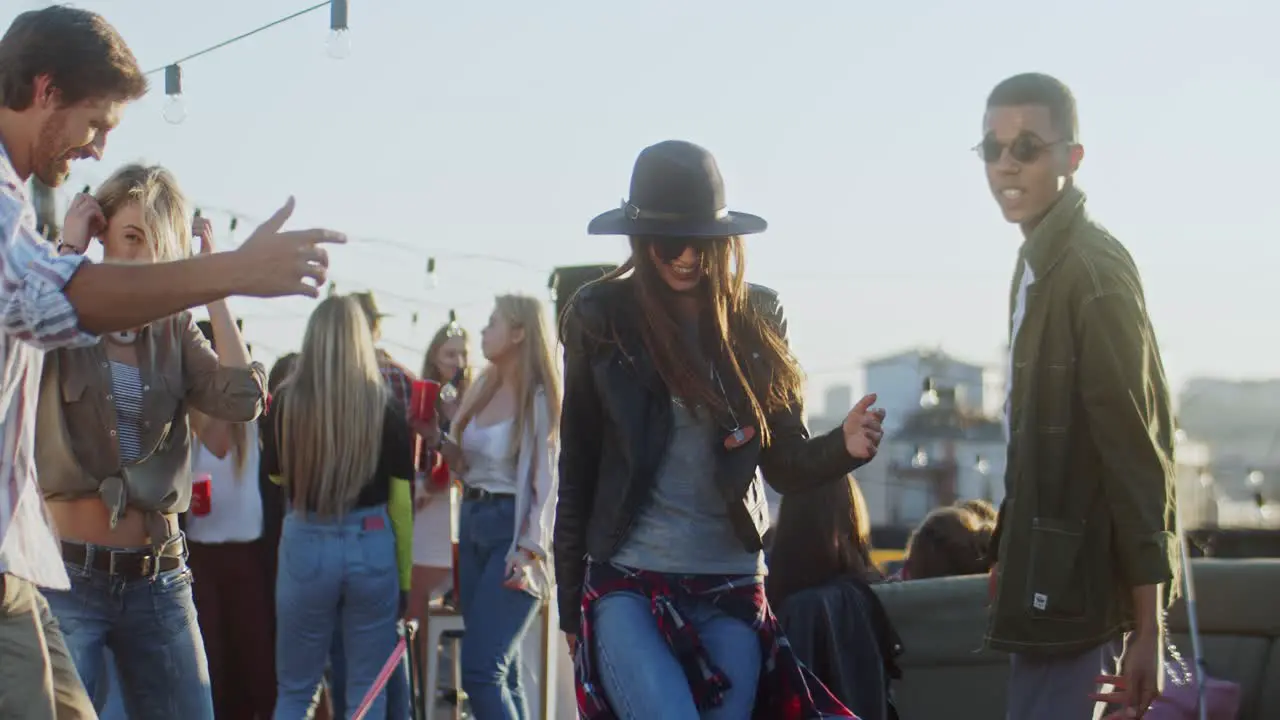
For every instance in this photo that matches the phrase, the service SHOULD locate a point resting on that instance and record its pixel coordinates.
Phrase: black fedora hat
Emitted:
(676, 191)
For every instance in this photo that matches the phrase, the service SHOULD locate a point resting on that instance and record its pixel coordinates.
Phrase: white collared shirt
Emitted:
(37, 316)
(1019, 312)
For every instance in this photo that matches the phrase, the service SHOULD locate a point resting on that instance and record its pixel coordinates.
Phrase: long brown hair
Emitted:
(949, 541)
(447, 332)
(822, 534)
(736, 326)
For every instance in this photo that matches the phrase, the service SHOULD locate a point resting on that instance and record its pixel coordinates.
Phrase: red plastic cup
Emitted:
(440, 476)
(201, 495)
(423, 398)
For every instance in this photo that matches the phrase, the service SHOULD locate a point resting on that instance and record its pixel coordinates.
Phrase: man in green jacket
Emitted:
(1085, 551)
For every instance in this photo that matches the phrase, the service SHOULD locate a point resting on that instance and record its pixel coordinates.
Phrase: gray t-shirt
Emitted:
(684, 528)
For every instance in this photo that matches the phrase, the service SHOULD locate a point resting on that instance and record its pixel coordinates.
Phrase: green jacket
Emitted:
(1089, 490)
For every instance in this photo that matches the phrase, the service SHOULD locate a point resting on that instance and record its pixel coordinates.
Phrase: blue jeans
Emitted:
(150, 626)
(641, 676)
(397, 688)
(327, 564)
(496, 617)
(110, 707)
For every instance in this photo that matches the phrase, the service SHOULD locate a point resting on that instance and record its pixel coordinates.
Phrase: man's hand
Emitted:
(863, 429)
(1141, 678)
(277, 263)
(84, 221)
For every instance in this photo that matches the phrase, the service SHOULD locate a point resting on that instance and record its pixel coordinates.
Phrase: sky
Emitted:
(486, 135)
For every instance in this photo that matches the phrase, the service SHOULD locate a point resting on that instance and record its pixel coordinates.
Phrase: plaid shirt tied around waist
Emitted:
(786, 690)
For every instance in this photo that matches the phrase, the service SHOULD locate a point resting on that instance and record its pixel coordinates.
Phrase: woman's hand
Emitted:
(84, 221)
(203, 229)
(454, 457)
(428, 430)
(518, 569)
(863, 429)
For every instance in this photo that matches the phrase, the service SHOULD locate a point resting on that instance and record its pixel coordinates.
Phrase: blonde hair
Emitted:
(332, 413)
(534, 369)
(164, 207)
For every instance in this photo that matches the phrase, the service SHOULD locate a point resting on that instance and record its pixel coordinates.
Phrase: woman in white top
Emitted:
(434, 510)
(231, 561)
(504, 450)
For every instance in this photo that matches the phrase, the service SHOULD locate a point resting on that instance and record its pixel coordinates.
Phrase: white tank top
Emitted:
(491, 465)
(235, 503)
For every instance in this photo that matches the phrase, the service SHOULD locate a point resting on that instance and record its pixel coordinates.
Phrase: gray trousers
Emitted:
(1058, 687)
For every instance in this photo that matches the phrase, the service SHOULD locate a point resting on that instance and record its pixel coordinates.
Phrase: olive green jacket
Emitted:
(1089, 506)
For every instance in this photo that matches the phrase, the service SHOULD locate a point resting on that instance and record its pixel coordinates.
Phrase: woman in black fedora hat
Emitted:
(678, 386)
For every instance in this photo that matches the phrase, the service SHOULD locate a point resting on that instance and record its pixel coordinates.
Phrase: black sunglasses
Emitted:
(1026, 148)
(668, 249)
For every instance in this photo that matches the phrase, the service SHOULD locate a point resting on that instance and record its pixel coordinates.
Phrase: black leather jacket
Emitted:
(842, 633)
(615, 425)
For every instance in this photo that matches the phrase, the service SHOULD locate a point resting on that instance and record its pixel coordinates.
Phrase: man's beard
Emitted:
(50, 163)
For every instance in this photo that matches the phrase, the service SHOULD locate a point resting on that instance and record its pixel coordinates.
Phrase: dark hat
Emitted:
(676, 191)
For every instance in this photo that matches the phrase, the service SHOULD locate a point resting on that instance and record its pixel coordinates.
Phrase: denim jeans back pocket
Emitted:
(378, 549)
(300, 553)
(1056, 589)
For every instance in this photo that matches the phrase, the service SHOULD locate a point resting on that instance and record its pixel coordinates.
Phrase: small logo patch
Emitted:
(1040, 601)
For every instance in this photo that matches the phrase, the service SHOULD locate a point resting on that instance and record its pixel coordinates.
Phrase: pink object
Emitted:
(201, 495)
(380, 683)
(1179, 702)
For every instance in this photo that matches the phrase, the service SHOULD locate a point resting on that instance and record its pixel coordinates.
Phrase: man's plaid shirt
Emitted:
(398, 378)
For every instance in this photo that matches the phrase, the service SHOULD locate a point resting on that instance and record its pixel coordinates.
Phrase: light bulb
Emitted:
(920, 459)
(1256, 478)
(175, 109)
(982, 466)
(338, 46)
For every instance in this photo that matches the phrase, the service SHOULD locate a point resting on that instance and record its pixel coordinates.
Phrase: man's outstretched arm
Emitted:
(105, 297)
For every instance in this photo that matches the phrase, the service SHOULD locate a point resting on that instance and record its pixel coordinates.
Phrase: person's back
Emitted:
(841, 632)
(340, 445)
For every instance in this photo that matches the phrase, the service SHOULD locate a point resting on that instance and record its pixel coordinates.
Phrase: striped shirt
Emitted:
(126, 386)
(36, 316)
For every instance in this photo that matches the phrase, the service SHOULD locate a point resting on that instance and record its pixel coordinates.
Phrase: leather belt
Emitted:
(126, 564)
(481, 495)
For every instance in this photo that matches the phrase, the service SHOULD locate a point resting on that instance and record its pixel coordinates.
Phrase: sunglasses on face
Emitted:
(669, 249)
(1026, 148)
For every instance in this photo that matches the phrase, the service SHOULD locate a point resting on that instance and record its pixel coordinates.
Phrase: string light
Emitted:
(175, 110)
(338, 46)
(920, 458)
(929, 395)
(432, 280)
(175, 107)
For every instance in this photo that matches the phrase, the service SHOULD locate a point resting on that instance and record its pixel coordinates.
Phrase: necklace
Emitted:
(123, 337)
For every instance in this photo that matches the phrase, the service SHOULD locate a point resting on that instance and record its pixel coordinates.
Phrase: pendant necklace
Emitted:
(740, 435)
(123, 337)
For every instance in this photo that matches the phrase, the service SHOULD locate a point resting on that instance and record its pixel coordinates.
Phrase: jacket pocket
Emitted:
(1056, 589)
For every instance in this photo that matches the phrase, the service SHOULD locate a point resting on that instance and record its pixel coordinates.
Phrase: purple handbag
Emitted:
(1181, 695)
